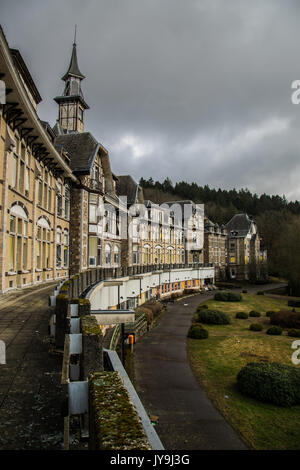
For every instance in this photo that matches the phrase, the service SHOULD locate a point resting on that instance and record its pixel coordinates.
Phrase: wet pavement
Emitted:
(168, 389)
(30, 390)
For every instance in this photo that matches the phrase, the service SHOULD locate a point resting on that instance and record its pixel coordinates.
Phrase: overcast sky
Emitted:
(196, 90)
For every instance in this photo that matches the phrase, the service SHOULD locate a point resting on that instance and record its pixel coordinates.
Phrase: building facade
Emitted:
(63, 211)
(215, 247)
(245, 258)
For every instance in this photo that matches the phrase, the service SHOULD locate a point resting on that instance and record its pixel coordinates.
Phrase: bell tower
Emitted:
(72, 104)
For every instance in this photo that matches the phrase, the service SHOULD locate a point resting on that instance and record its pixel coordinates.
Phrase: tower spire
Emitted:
(72, 104)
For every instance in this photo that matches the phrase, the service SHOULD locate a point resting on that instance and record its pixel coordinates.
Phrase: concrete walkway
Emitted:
(169, 390)
(30, 390)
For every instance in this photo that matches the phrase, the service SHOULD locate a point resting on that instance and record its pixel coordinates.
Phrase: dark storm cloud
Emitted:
(196, 90)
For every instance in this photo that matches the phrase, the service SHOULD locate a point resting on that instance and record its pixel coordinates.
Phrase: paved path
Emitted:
(169, 390)
(30, 390)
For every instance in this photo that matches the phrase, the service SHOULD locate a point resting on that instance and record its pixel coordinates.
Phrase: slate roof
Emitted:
(239, 223)
(22, 68)
(73, 67)
(81, 147)
(126, 186)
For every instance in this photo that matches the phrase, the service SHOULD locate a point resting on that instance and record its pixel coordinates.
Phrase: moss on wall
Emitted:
(116, 424)
(89, 325)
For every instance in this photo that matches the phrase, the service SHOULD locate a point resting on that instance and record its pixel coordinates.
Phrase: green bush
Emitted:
(286, 319)
(244, 291)
(242, 315)
(269, 313)
(254, 313)
(274, 330)
(197, 332)
(228, 296)
(255, 327)
(294, 303)
(213, 317)
(260, 292)
(271, 383)
(295, 333)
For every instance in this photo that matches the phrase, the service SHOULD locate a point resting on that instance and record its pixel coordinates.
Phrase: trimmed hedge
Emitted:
(294, 303)
(213, 317)
(228, 296)
(255, 327)
(269, 313)
(270, 383)
(295, 333)
(197, 332)
(242, 315)
(286, 319)
(274, 330)
(254, 313)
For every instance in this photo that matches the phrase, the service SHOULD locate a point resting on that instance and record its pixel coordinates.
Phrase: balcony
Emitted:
(96, 184)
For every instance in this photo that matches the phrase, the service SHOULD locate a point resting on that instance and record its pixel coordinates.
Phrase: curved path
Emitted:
(169, 390)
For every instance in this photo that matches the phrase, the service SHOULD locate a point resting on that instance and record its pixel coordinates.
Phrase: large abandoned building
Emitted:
(64, 211)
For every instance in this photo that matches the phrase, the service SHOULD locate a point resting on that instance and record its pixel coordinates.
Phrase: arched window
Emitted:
(43, 239)
(107, 251)
(116, 256)
(66, 248)
(170, 255)
(18, 238)
(158, 255)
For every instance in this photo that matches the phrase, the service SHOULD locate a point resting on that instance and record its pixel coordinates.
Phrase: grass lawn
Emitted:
(217, 360)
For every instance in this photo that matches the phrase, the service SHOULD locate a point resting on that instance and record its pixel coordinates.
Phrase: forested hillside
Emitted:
(278, 219)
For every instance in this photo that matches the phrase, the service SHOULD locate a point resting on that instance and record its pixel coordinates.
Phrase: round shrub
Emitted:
(242, 315)
(228, 296)
(295, 333)
(286, 319)
(274, 330)
(260, 292)
(254, 313)
(294, 303)
(197, 332)
(255, 327)
(244, 291)
(213, 317)
(270, 382)
(269, 313)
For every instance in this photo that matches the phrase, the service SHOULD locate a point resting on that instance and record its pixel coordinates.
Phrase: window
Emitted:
(99, 252)
(116, 256)
(107, 255)
(67, 202)
(58, 247)
(93, 243)
(59, 205)
(93, 213)
(14, 171)
(66, 248)
(80, 113)
(135, 255)
(43, 244)
(18, 239)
